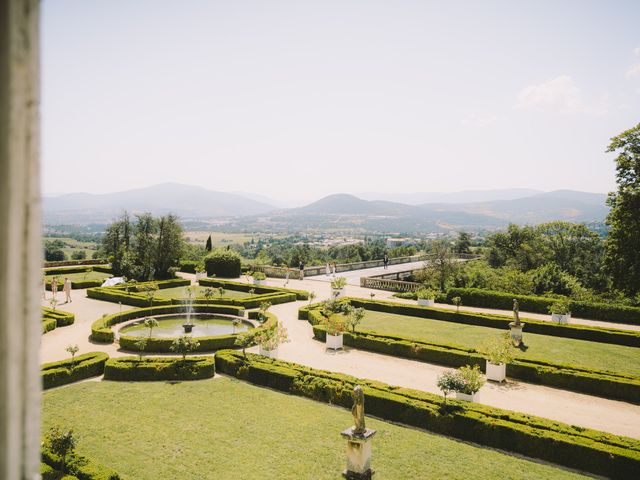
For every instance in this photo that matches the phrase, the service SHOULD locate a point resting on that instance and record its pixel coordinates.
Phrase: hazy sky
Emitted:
(299, 99)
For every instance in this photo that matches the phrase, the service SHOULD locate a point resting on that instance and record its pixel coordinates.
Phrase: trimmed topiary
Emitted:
(223, 263)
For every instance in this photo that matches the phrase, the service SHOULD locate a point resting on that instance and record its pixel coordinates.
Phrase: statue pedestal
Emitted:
(358, 454)
(516, 332)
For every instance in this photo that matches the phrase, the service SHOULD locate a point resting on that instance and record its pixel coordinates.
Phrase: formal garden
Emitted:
(592, 360)
(287, 426)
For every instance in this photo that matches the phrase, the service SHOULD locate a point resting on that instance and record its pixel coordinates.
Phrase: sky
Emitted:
(300, 99)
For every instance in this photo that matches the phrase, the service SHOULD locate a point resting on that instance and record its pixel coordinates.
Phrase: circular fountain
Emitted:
(199, 324)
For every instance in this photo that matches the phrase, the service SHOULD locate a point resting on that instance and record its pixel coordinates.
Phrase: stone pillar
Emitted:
(358, 454)
(20, 240)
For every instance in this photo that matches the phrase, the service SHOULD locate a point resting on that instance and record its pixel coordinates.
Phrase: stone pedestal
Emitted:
(358, 454)
(516, 332)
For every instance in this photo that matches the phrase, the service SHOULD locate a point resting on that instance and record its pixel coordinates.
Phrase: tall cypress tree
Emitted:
(208, 246)
(623, 242)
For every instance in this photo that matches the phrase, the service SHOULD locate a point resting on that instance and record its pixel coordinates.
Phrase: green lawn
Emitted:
(601, 356)
(181, 292)
(79, 277)
(225, 428)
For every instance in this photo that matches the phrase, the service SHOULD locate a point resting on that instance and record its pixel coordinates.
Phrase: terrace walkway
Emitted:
(573, 408)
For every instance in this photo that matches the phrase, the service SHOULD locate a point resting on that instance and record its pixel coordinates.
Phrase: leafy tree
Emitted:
(442, 264)
(53, 251)
(448, 382)
(73, 349)
(62, 443)
(209, 244)
(623, 242)
(141, 345)
(183, 345)
(246, 340)
(170, 244)
(463, 243)
(150, 323)
(144, 245)
(79, 255)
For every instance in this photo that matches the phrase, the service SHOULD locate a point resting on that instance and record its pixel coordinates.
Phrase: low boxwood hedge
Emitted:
(101, 329)
(579, 332)
(49, 473)
(163, 345)
(83, 468)
(188, 266)
(585, 380)
(584, 449)
(84, 366)
(133, 293)
(570, 377)
(476, 297)
(246, 287)
(159, 368)
(60, 318)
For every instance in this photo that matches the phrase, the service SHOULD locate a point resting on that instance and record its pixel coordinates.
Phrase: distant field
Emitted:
(221, 239)
(73, 245)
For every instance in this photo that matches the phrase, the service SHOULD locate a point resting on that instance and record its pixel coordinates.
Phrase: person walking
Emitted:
(301, 270)
(333, 268)
(54, 287)
(67, 290)
(385, 261)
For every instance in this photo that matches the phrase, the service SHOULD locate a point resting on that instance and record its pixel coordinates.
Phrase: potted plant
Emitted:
(335, 325)
(426, 297)
(498, 353)
(472, 382)
(560, 310)
(271, 337)
(258, 278)
(201, 272)
(337, 287)
(448, 382)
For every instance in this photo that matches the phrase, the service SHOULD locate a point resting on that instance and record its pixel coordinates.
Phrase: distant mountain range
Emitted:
(488, 210)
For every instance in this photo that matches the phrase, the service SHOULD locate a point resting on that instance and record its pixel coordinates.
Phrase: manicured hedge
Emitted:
(48, 473)
(594, 382)
(163, 345)
(476, 297)
(101, 329)
(575, 331)
(59, 373)
(82, 467)
(584, 449)
(133, 293)
(223, 263)
(52, 319)
(245, 287)
(188, 266)
(159, 369)
(65, 263)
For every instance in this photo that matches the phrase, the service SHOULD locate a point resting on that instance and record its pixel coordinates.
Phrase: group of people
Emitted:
(55, 284)
(330, 269)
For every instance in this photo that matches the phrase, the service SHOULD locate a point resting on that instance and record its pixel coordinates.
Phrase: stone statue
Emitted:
(358, 411)
(516, 312)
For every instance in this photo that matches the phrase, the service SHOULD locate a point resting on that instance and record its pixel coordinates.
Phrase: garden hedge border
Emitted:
(601, 383)
(575, 447)
(627, 338)
(83, 467)
(55, 374)
(476, 297)
(245, 287)
(135, 297)
(52, 319)
(150, 369)
(77, 285)
(49, 473)
(101, 329)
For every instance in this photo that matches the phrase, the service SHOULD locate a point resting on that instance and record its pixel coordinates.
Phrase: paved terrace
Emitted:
(561, 405)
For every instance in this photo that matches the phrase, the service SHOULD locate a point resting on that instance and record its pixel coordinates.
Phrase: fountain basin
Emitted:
(175, 325)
